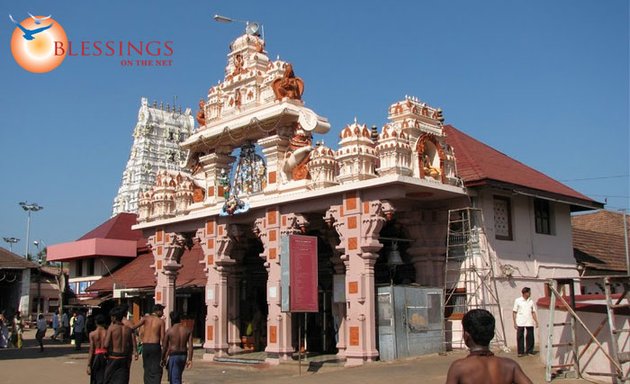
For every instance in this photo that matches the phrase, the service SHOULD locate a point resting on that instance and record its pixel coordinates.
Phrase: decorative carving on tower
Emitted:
(201, 114)
(156, 139)
(288, 85)
(172, 195)
(297, 155)
(394, 152)
(432, 159)
(322, 167)
(356, 156)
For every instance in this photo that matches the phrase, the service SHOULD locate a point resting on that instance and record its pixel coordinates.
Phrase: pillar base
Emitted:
(235, 348)
(275, 358)
(360, 358)
(211, 353)
(353, 361)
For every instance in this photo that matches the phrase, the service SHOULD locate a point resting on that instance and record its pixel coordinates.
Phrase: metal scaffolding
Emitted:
(619, 372)
(469, 281)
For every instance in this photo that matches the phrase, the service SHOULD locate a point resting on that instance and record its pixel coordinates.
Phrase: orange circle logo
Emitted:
(34, 42)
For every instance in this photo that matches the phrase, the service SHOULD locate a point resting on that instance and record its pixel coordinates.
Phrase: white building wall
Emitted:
(529, 257)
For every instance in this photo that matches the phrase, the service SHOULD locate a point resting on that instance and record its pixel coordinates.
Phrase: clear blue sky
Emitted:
(545, 82)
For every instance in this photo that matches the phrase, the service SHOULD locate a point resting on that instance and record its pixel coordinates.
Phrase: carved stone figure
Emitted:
(237, 97)
(429, 169)
(298, 156)
(238, 65)
(201, 114)
(288, 85)
(199, 194)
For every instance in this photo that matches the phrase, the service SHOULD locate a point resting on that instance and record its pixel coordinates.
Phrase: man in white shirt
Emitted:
(524, 315)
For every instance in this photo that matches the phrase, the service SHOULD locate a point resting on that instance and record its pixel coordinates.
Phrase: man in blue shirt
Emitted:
(78, 328)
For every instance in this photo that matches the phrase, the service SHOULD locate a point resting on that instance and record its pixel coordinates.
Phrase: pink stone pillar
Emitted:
(339, 261)
(234, 332)
(216, 245)
(360, 223)
(167, 249)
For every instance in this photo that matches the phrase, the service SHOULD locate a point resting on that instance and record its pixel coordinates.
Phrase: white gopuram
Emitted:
(155, 147)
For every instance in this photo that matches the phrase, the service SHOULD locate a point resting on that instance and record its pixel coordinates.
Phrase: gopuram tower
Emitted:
(155, 147)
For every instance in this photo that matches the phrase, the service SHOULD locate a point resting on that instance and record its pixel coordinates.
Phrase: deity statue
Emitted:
(201, 114)
(298, 155)
(429, 169)
(238, 65)
(288, 85)
(237, 97)
(199, 194)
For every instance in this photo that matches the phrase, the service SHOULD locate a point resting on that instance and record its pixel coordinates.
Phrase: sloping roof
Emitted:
(136, 274)
(599, 250)
(598, 241)
(139, 274)
(9, 260)
(601, 221)
(479, 164)
(118, 227)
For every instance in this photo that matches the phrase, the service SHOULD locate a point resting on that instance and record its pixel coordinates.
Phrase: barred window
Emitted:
(502, 218)
(542, 214)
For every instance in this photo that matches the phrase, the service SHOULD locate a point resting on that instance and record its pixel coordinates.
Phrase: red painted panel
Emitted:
(303, 281)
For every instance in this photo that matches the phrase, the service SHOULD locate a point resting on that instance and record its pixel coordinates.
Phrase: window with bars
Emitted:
(502, 218)
(542, 215)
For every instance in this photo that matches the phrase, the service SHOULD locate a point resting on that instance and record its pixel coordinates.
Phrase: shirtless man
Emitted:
(125, 321)
(120, 343)
(153, 336)
(97, 358)
(178, 349)
(481, 366)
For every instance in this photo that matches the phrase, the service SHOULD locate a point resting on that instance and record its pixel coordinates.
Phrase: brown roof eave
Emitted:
(576, 204)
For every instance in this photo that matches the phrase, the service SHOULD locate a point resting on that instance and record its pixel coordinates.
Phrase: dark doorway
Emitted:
(253, 295)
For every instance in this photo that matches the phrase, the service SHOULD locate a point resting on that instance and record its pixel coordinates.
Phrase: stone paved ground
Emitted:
(60, 364)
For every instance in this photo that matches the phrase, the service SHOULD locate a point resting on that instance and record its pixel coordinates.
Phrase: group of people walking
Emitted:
(112, 349)
(11, 329)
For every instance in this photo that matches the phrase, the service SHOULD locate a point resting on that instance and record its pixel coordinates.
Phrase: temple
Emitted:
(156, 138)
(255, 175)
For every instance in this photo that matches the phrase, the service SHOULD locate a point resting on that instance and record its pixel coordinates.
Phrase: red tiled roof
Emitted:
(136, 274)
(480, 164)
(599, 250)
(9, 260)
(118, 227)
(601, 221)
(139, 274)
(598, 240)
